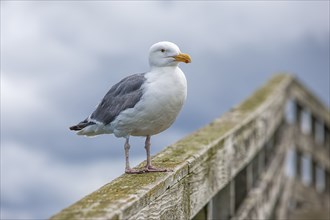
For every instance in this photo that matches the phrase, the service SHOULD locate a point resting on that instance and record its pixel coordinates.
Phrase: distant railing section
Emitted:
(255, 162)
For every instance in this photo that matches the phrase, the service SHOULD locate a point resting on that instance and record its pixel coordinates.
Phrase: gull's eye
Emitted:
(162, 50)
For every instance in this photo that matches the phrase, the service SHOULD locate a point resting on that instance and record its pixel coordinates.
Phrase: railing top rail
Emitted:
(122, 197)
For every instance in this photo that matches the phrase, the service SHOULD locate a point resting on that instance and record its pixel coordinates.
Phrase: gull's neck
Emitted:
(156, 73)
(163, 69)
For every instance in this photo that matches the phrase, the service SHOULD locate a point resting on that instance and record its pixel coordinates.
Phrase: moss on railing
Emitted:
(130, 193)
(261, 94)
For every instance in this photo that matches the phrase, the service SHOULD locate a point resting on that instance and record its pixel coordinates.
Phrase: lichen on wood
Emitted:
(191, 158)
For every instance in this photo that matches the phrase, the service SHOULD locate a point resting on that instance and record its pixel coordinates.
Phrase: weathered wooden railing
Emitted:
(237, 167)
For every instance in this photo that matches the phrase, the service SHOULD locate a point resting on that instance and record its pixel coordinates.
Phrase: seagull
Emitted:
(142, 104)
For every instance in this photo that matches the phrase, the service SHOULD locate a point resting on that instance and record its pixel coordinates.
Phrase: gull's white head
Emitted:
(165, 53)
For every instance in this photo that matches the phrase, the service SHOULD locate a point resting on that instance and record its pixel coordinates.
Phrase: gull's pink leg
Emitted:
(128, 169)
(149, 167)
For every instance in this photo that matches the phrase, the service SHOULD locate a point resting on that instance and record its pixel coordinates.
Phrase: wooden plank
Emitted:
(203, 162)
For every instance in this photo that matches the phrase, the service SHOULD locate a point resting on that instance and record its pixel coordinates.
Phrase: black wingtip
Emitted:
(75, 128)
(81, 125)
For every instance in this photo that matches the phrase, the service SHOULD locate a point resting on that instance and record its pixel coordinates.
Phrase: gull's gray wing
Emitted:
(120, 97)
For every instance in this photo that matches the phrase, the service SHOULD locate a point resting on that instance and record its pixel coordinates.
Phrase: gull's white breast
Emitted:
(165, 92)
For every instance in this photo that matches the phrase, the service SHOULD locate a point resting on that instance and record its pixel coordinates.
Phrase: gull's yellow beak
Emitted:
(183, 57)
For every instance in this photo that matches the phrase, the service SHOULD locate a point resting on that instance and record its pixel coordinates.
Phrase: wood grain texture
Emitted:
(209, 159)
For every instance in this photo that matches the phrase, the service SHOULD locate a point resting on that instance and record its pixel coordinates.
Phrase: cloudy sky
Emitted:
(59, 58)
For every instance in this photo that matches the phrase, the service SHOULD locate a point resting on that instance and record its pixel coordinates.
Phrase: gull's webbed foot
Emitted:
(133, 171)
(150, 168)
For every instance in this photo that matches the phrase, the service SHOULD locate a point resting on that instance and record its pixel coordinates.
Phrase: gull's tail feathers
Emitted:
(90, 127)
